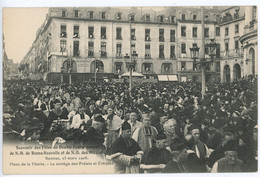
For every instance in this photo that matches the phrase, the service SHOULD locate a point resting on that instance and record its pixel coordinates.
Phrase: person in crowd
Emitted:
(218, 153)
(113, 126)
(179, 162)
(170, 130)
(157, 158)
(200, 149)
(79, 119)
(159, 126)
(94, 138)
(134, 122)
(229, 163)
(125, 152)
(146, 134)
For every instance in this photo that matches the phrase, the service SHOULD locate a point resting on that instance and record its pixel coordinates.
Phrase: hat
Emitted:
(177, 145)
(126, 126)
(56, 101)
(231, 145)
(193, 126)
(99, 118)
(161, 136)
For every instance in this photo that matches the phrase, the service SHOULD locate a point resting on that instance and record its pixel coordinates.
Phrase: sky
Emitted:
(19, 28)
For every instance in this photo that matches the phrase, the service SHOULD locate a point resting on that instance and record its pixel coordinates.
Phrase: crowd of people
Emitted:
(155, 128)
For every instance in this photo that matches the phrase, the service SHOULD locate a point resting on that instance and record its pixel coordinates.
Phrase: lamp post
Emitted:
(62, 68)
(212, 52)
(70, 68)
(61, 72)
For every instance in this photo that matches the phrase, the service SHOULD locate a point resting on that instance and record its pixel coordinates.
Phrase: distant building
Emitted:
(85, 41)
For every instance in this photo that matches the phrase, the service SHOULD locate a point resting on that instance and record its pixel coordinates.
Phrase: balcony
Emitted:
(103, 54)
(76, 35)
(133, 38)
(173, 56)
(233, 53)
(63, 34)
(147, 38)
(147, 56)
(119, 55)
(119, 37)
(90, 53)
(161, 56)
(161, 39)
(76, 53)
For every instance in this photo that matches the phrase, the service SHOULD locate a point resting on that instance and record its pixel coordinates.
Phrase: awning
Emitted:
(167, 78)
(134, 74)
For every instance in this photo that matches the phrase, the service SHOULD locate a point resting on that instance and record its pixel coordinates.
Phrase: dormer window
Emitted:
(194, 17)
(103, 15)
(63, 13)
(161, 18)
(172, 19)
(132, 17)
(76, 13)
(147, 17)
(91, 14)
(183, 17)
(206, 17)
(118, 16)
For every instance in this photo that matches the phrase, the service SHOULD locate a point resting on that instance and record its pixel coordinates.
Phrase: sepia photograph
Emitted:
(130, 89)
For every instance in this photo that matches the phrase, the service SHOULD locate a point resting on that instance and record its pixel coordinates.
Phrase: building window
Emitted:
(118, 33)
(133, 34)
(63, 13)
(226, 31)
(91, 32)
(147, 35)
(63, 32)
(172, 35)
(91, 14)
(236, 46)
(63, 45)
(183, 48)
(90, 49)
(147, 67)
(147, 51)
(183, 16)
(103, 32)
(76, 32)
(76, 13)
(226, 47)
(118, 67)
(76, 48)
(118, 16)
(103, 15)
(172, 19)
(133, 48)
(132, 17)
(103, 49)
(217, 31)
(194, 45)
(206, 32)
(118, 50)
(172, 51)
(161, 35)
(194, 17)
(194, 32)
(183, 65)
(254, 13)
(161, 17)
(206, 17)
(206, 50)
(147, 17)
(161, 51)
(236, 28)
(183, 31)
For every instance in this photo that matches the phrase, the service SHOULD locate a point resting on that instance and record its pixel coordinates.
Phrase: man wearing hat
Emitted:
(94, 136)
(125, 152)
(178, 164)
(229, 163)
(145, 135)
(200, 149)
(133, 121)
(158, 156)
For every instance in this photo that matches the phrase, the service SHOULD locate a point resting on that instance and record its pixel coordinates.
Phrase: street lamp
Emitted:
(63, 46)
(61, 72)
(212, 52)
(131, 65)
